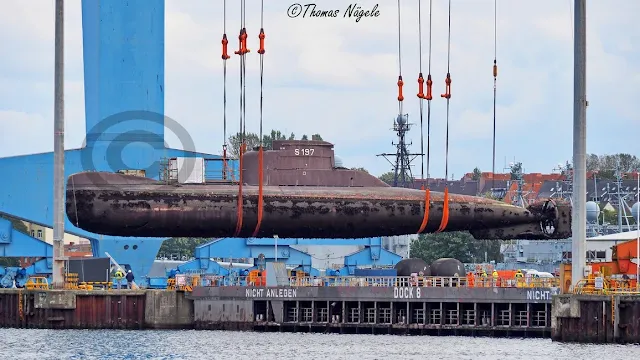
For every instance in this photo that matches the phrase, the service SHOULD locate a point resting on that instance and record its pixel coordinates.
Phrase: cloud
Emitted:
(336, 77)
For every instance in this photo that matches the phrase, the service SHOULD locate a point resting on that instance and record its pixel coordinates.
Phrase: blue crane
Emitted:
(280, 250)
(14, 244)
(123, 53)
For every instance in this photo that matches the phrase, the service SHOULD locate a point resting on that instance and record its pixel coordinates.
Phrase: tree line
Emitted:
(253, 140)
(604, 167)
(460, 245)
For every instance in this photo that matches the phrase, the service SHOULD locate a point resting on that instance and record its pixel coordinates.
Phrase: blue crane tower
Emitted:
(124, 69)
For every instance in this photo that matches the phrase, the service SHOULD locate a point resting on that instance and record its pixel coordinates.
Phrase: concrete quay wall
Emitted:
(596, 318)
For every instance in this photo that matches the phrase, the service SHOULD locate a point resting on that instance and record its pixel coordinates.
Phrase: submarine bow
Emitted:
(126, 205)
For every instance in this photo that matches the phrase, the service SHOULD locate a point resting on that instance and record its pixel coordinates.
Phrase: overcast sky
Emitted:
(337, 77)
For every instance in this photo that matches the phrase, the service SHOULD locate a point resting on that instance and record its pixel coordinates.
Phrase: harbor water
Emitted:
(30, 344)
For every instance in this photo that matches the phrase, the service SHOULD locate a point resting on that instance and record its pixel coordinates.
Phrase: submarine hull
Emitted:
(124, 205)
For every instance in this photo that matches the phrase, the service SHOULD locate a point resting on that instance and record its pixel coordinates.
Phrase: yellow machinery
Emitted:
(183, 282)
(590, 286)
(171, 284)
(71, 281)
(37, 283)
(619, 272)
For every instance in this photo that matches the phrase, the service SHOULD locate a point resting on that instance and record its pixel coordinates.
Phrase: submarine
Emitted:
(306, 194)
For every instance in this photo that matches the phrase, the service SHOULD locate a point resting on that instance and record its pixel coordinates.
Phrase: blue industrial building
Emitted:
(125, 124)
(124, 108)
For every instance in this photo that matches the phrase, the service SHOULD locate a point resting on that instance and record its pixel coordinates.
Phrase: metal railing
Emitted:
(214, 170)
(380, 281)
(425, 281)
(591, 286)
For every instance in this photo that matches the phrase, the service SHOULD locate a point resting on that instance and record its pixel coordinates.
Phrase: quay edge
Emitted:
(596, 318)
(486, 311)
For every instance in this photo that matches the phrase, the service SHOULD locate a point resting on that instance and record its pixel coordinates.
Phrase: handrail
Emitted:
(381, 281)
(609, 287)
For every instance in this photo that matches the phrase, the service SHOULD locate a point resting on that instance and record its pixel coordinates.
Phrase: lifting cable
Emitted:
(422, 96)
(400, 82)
(495, 78)
(225, 57)
(447, 95)
(242, 51)
(261, 51)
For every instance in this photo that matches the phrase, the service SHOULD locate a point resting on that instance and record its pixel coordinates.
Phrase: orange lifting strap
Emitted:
(420, 87)
(261, 37)
(225, 44)
(427, 204)
(243, 147)
(260, 191)
(429, 96)
(447, 91)
(445, 211)
(261, 51)
(242, 50)
(400, 84)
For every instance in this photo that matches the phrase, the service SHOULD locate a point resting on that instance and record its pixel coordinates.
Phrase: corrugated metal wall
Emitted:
(104, 311)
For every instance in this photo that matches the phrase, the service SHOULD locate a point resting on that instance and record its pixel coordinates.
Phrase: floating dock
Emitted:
(445, 308)
(430, 306)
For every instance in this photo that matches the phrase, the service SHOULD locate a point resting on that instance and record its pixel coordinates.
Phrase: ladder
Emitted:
(120, 268)
(613, 310)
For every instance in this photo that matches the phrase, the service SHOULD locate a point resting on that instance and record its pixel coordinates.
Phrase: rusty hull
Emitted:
(122, 205)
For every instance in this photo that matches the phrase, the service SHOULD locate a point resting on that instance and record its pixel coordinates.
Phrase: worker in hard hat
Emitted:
(118, 278)
(519, 278)
(129, 279)
(495, 276)
(483, 277)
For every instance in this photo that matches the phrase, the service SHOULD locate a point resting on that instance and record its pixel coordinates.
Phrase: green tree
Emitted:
(253, 140)
(275, 135)
(316, 137)
(304, 137)
(477, 174)
(490, 195)
(360, 169)
(611, 217)
(516, 169)
(458, 245)
(606, 165)
(181, 246)
(387, 177)
(606, 174)
(593, 162)
(233, 149)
